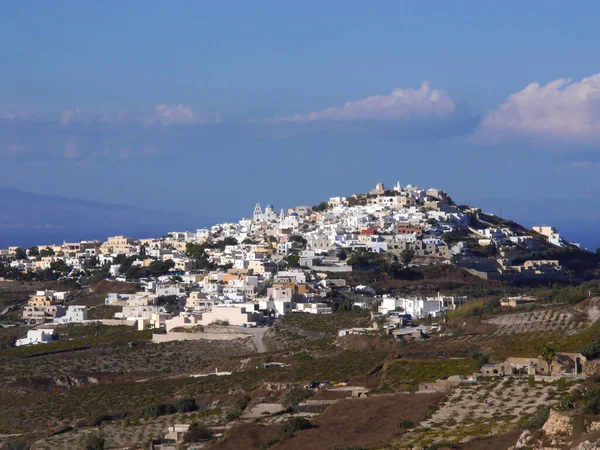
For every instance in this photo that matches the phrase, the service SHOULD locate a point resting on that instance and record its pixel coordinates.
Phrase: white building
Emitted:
(276, 307)
(163, 290)
(313, 308)
(41, 336)
(74, 314)
(116, 299)
(416, 307)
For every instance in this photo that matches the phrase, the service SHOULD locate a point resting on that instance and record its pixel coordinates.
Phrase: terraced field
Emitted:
(484, 408)
(536, 321)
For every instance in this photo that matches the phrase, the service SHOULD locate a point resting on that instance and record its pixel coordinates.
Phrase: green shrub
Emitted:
(295, 424)
(159, 409)
(302, 356)
(538, 419)
(482, 359)
(443, 444)
(287, 430)
(94, 442)
(197, 433)
(591, 350)
(270, 443)
(592, 402)
(97, 420)
(565, 405)
(232, 414)
(575, 395)
(295, 396)
(405, 424)
(242, 402)
(184, 405)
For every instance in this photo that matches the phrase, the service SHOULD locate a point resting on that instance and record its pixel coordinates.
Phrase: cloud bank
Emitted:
(561, 109)
(182, 115)
(401, 104)
(162, 114)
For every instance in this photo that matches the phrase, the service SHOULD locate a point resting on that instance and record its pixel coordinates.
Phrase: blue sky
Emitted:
(213, 106)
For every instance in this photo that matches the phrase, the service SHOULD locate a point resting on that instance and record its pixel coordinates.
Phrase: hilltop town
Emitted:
(276, 262)
(231, 331)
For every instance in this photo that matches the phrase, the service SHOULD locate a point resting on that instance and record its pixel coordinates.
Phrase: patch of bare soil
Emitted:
(366, 422)
(247, 436)
(500, 442)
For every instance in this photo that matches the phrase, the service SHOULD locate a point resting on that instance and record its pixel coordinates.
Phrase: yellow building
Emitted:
(41, 301)
(117, 244)
(290, 283)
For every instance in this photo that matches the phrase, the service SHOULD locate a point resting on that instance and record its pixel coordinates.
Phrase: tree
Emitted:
(406, 257)
(20, 253)
(158, 268)
(196, 433)
(59, 266)
(548, 355)
(297, 238)
(34, 251)
(293, 260)
(341, 254)
(94, 442)
(46, 252)
(321, 207)
(184, 405)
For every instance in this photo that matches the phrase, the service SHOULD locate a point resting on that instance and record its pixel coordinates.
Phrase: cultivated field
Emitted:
(369, 422)
(487, 407)
(129, 434)
(536, 321)
(142, 358)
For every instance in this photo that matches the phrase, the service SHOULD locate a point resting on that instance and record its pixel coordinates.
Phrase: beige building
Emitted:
(183, 320)
(177, 431)
(117, 245)
(563, 364)
(545, 230)
(180, 246)
(34, 314)
(533, 268)
(236, 314)
(197, 301)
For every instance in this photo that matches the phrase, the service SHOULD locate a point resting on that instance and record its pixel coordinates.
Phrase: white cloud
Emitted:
(560, 109)
(401, 104)
(162, 114)
(182, 114)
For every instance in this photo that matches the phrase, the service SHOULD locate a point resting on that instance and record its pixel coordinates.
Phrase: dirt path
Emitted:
(594, 309)
(257, 337)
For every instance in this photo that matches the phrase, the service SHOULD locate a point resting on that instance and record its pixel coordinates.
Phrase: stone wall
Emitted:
(183, 336)
(558, 424)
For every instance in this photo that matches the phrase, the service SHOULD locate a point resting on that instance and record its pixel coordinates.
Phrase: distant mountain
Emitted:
(31, 219)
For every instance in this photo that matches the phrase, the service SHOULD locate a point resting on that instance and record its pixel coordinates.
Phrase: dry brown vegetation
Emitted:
(119, 356)
(370, 422)
(142, 359)
(424, 279)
